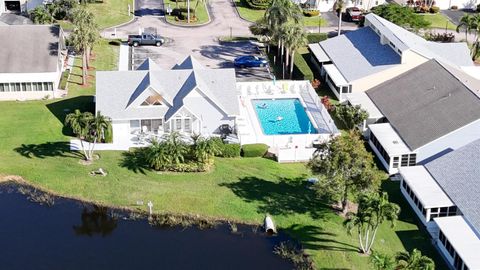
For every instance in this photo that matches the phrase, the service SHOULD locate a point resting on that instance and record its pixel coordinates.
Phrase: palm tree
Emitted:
(468, 23)
(176, 147)
(41, 15)
(340, 7)
(373, 210)
(382, 261)
(80, 124)
(157, 155)
(277, 15)
(204, 149)
(414, 261)
(296, 37)
(261, 28)
(99, 124)
(83, 36)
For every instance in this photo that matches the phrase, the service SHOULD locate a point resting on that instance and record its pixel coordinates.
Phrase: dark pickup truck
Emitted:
(145, 39)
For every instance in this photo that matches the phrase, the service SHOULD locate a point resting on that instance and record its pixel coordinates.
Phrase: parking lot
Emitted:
(215, 55)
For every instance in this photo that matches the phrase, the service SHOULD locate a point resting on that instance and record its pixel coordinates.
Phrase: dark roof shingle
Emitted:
(425, 103)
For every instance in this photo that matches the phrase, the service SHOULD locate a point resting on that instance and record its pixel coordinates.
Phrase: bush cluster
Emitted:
(258, 4)
(254, 150)
(311, 13)
(316, 37)
(434, 9)
(226, 150)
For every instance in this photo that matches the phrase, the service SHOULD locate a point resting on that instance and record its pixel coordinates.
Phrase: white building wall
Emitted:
(29, 77)
(121, 131)
(449, 142)
(209, 114)
(328, 5)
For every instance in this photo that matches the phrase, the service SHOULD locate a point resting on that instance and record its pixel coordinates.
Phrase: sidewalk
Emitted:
(123, 57)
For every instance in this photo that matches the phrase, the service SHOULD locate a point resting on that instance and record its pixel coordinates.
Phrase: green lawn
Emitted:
(201, 12)
(107, 13)
(438, 20)
(242, 189)
(255, 14)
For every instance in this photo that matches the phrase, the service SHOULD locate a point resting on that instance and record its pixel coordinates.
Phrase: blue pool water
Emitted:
(282, 116)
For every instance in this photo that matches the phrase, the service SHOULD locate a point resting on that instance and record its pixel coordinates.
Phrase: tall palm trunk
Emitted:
(84, 67)
(291, 63)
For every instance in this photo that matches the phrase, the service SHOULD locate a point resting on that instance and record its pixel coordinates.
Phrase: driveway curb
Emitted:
(125, 23)
(209, 12)
(238, 12)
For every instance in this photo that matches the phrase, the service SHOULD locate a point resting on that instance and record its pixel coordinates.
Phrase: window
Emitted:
(404, 160)
(178, 124)
(153, 100)
(380, 148)
(37, 86)
(187, 125)
(23, 86)
(4, 87)
(395, 162)
(134, 125)
(413, 160)
(29, 87)
(156, 125)
(404, 184)
(16, 87)
(391, 44)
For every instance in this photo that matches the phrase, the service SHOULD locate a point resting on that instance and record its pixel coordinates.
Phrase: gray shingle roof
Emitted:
(456, 54)
(458, 173)
(119, 93)
(359, 53)
(29, 48)
(425, 103)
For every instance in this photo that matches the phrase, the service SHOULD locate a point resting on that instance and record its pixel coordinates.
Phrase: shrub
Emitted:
(302, 70)
(440, 37)
(64, 80)
(188, 167)
(311, 13)
(108, 136)
(254, 150)
(258, 4)
(454, 7)
(434, 9)
(231, 150)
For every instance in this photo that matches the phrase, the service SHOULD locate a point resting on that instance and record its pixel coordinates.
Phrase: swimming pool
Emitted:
(283, 116)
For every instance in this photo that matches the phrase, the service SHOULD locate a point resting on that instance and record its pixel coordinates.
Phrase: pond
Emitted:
(73, 235)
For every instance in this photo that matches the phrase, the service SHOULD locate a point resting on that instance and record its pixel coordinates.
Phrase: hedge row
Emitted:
(254, 150)
(311, 13)
(258, 4)
(229, 150)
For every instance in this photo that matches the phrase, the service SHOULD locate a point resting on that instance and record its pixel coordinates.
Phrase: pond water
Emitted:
(72, 235)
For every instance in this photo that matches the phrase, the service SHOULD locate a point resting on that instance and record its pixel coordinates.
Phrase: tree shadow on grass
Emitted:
(286, 196)
(65, 106)
(314, 237)
(49, 149)
(135, 161)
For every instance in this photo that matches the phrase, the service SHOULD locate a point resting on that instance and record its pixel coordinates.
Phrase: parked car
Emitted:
(354, 14)
(250, 61)
(145, 39)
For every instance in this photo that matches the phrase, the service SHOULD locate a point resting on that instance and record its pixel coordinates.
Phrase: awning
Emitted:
(366, 103)
(389, 139)
(335, 75)
(425, 187)
(462, 238)
(318, 52)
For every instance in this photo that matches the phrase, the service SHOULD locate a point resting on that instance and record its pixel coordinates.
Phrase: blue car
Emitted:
(250, 61)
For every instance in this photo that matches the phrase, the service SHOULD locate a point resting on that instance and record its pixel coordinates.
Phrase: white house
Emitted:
(359, 60)
(444, 195)
(188, 98)
(427, 112)
(31, 61)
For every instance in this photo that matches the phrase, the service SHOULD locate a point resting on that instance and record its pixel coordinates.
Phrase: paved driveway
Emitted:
(201, 42)
(149, 7)
(456, 15)
(13, 19)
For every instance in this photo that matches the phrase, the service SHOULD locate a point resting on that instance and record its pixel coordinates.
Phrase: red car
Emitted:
(354, 14)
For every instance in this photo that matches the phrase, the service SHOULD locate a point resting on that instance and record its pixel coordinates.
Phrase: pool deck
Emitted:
(290, 147)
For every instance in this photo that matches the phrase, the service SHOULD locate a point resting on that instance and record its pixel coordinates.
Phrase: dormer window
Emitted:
(153, 100)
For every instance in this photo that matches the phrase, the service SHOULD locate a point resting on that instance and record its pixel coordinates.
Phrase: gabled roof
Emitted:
(359, 53)
(29, 48)
(148, 64)
(425, 103)
(120, 93)
(456, 54)
(458, 173)
(189, 63)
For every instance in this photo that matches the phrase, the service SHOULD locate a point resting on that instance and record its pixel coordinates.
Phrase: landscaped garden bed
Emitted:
(179, 12)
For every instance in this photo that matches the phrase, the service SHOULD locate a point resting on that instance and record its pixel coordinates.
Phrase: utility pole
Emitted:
(188, 11)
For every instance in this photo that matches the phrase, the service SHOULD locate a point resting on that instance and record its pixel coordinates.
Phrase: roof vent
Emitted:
(395, 142)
